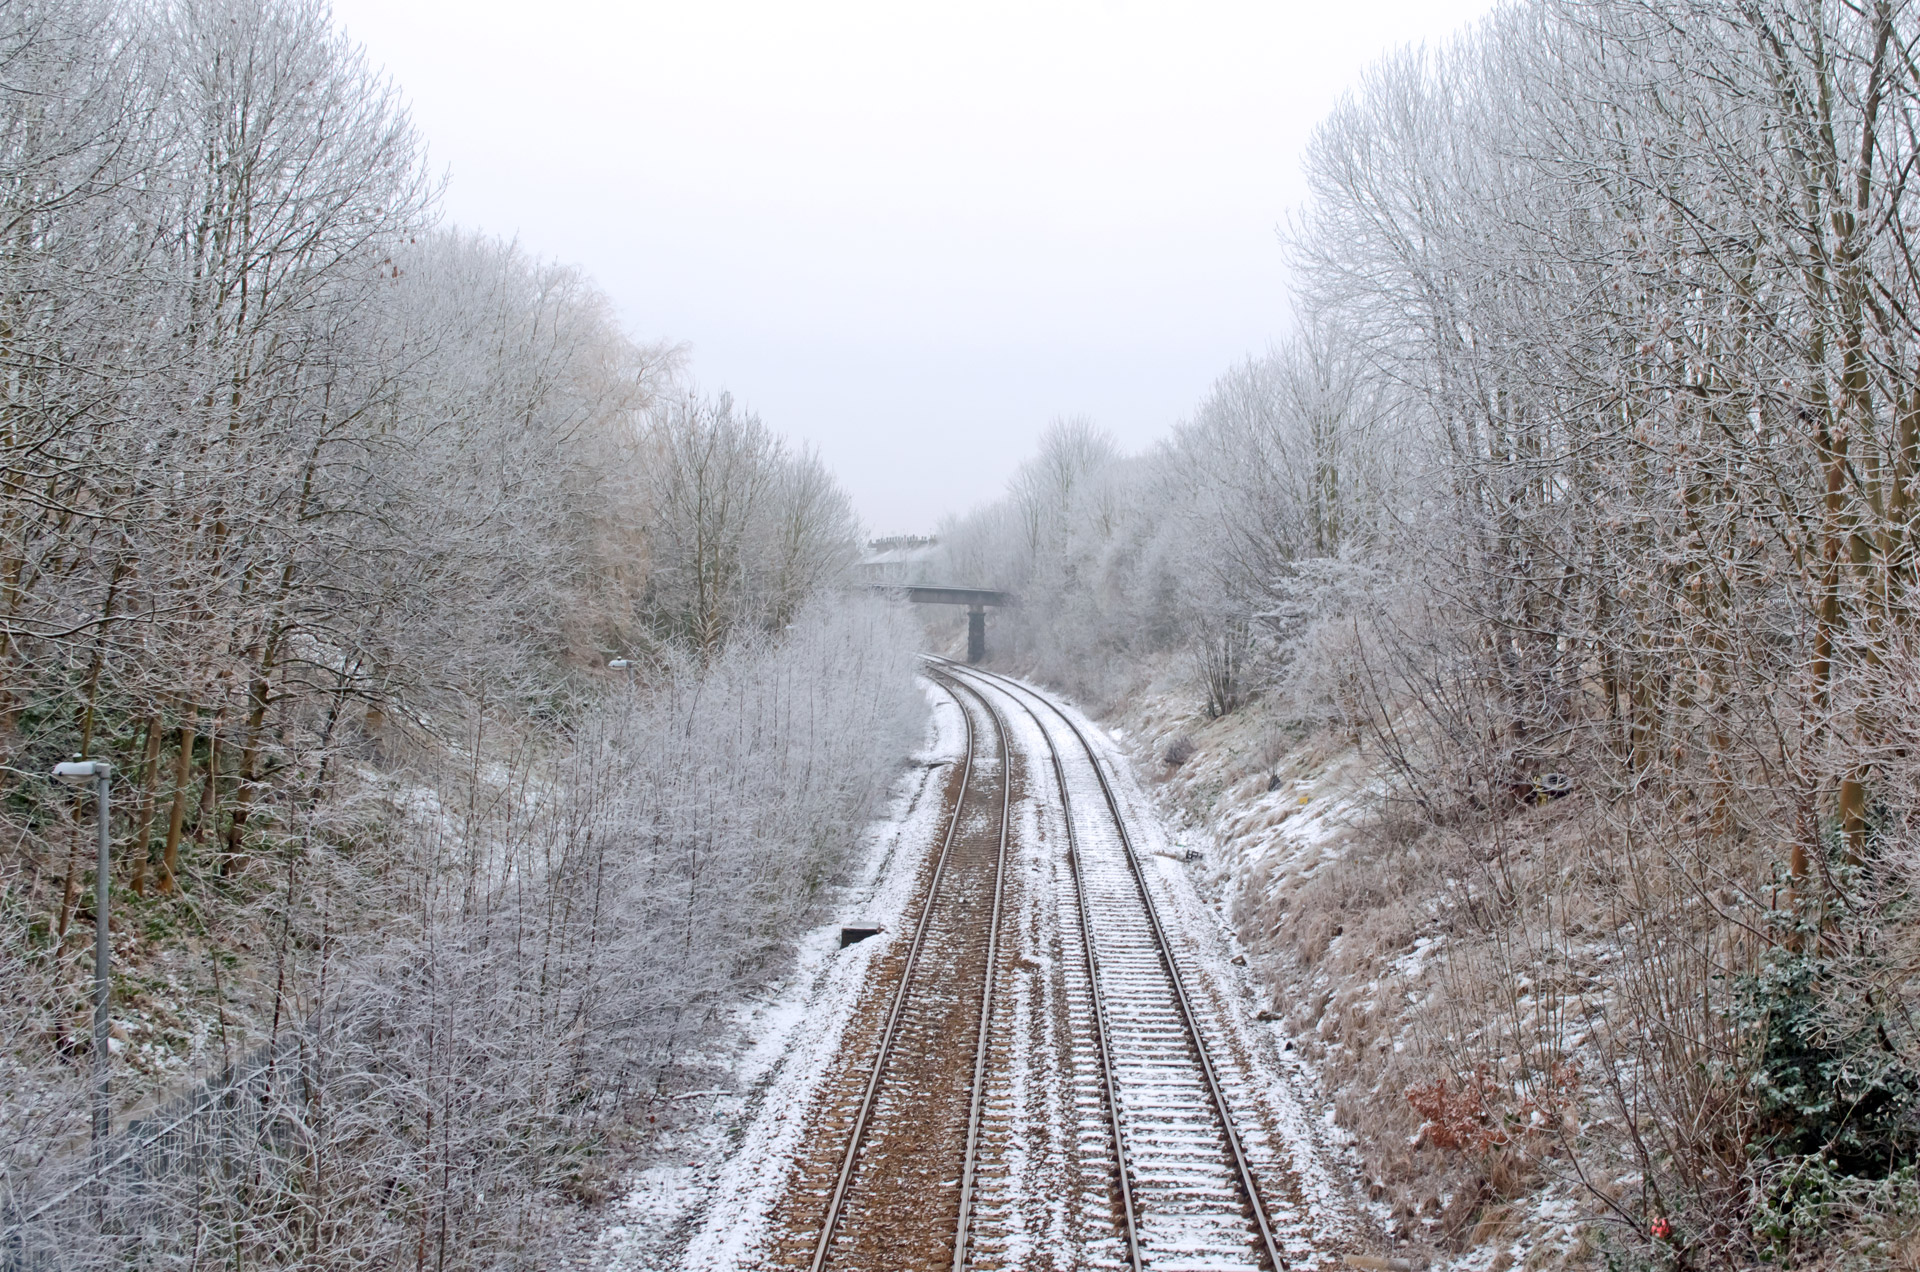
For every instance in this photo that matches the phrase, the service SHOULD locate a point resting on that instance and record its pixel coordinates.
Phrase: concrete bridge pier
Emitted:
(976, 633)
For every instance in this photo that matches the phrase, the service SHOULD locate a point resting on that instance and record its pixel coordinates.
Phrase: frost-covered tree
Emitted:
(741, 529)
(320, 520)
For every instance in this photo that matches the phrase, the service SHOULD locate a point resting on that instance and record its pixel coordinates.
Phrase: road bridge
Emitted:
(976, 599)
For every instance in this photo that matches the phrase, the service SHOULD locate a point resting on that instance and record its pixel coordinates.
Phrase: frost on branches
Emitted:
(1583, 507)
(321, 522)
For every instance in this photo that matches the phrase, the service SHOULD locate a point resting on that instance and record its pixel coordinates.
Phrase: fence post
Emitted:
(102, 960)
(78, 773)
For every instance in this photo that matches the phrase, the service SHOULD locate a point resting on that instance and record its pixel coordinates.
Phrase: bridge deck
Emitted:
(936, 594)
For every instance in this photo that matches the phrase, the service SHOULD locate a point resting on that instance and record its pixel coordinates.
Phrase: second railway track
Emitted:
(1185, 1193)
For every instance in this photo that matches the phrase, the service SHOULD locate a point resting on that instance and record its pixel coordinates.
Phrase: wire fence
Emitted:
(148, 1187)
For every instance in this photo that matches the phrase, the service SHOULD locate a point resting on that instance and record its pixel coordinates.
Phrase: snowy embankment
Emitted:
(1345, 918)
(704, 1200)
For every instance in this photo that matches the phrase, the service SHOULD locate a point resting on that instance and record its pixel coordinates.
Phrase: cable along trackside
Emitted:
(1169, 1197)
(867, 1216)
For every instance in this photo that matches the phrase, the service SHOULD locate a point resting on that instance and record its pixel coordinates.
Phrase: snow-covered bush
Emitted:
(320, 522)
(479, 1019)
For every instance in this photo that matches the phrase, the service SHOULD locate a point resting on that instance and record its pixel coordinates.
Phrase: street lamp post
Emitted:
(100, 773)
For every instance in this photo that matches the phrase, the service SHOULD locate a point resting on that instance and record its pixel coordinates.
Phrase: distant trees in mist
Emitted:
(1289, 467)
(742, 531)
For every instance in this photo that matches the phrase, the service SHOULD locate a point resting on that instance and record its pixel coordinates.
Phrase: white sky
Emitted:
(909, 233)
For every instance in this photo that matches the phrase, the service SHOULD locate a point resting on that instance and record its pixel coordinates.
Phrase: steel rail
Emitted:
(896, 1011)
(1242, 1169)
(1109, 1084)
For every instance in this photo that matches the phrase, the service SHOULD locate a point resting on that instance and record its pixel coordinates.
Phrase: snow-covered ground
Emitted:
(1266, 821)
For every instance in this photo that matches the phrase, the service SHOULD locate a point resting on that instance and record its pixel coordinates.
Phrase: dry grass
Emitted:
(1538, 947)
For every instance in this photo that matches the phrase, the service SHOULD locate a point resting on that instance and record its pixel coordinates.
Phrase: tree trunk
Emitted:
(143, 833)
(257, 696)
(177, 816)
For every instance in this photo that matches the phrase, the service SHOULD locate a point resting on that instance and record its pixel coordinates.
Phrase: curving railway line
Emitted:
(1186, 1191)
(893, 1153)
(1039, 1084)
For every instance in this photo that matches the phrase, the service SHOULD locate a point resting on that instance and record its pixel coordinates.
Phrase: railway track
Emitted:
(928, 1151)
(1185, 1191)
(906, 1143)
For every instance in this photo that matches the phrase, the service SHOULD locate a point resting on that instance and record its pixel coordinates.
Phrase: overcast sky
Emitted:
(907, 233)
